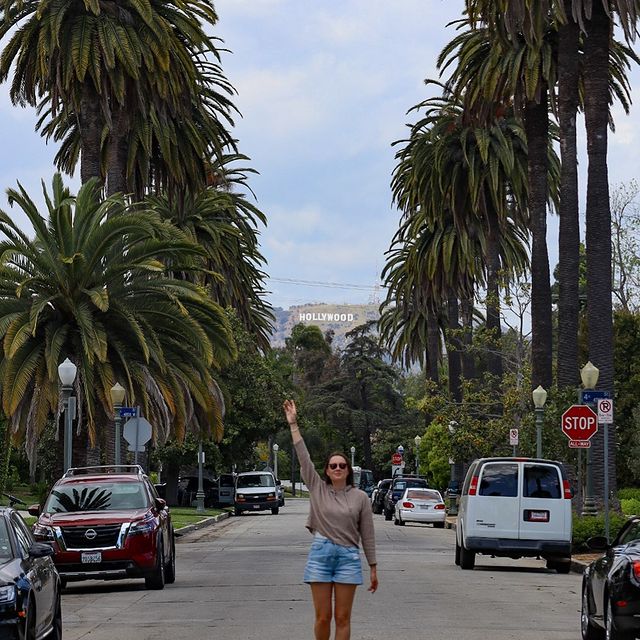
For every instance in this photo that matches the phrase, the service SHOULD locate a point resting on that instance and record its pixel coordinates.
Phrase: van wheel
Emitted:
(237, 511)
(467, 558)
(275, 511)
(561, 565)
(457, 554)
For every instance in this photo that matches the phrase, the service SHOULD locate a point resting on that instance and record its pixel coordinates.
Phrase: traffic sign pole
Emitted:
(135, 455)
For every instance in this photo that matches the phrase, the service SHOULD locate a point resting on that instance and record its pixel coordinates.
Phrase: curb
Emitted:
(576, 565)
(207, 522)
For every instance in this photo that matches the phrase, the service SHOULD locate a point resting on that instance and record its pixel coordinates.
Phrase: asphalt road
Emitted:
(241, 580)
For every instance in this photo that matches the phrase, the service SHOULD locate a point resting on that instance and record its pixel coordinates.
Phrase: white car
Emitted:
(420, 505)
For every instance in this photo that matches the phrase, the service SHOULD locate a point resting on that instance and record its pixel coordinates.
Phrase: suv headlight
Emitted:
(7, 594)
(42, 532)
(141, 527)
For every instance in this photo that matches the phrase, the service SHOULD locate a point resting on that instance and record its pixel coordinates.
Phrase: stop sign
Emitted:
(579, 422)
(396, 458)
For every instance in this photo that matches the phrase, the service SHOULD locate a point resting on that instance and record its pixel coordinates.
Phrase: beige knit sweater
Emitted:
(344, 516)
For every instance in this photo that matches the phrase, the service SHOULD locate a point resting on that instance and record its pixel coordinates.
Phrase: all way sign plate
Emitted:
(579, 444)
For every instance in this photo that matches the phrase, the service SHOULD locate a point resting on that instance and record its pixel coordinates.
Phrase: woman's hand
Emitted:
(290, 412)
(374, 579)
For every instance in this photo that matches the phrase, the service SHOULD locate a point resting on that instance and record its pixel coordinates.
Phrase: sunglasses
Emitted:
(334, 465)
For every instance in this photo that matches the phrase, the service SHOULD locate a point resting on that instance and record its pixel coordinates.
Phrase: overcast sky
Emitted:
(323, 86)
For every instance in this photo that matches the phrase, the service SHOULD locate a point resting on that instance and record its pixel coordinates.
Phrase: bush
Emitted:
(630, 493)
(630, 506)
(585, 527)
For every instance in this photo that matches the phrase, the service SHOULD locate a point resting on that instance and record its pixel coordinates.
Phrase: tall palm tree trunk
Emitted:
(598, 232)
(90, 122)
(468, 361)
(454, 349)
(569, 235)
(537, 130)
(494, 327)
(433, 345)
(117, 152)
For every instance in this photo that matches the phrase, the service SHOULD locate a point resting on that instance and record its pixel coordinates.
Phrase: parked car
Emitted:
(256, 491)
(378, 494)
(30, 587)
(280, 490)
(515, 507)
(396, 490)
(420, 505)
(611, 587)
(188, 488)
(226, 489)
(108, 523)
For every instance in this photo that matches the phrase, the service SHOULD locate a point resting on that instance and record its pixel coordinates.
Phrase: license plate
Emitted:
(531, 515)
(94, 557)
(424, 506)
(256, 506)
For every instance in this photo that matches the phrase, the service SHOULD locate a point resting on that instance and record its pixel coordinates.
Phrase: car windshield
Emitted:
(256, 480)
(98, 496)
(5, 544)
(424, 494)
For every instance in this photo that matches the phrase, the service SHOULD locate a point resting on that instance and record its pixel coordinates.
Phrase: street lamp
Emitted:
(275, 459)
(200, 492)
(117, 398)
(539, 396)
(353, 453)
(67, 374)
(589, 375)
(417, 440)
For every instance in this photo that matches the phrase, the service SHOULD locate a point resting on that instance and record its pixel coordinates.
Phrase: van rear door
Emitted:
(545, 513)
(494, 513)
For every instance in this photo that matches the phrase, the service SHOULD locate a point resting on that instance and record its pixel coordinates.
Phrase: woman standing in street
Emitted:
(340, 518)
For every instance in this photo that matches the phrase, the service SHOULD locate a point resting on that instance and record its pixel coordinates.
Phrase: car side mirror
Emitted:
(40, 550)
(278, 481)
(160, 504)
(598, 543)
(34, 510)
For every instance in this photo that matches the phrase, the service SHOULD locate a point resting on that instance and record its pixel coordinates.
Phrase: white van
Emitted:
(515, 507)
(256, 491)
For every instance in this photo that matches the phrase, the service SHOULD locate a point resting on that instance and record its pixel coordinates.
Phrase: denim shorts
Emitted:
(331, 562)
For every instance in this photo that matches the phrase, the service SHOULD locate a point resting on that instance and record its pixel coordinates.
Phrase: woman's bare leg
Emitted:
(345, 594)
(322, 592)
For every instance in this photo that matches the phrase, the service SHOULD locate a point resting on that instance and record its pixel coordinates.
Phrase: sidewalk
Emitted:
(578, 562)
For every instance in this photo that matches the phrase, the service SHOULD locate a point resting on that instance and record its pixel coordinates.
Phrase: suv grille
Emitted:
(76, 537)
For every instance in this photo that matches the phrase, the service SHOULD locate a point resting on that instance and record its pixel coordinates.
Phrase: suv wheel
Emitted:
(275, 510)
(170, 569)
(156, 579)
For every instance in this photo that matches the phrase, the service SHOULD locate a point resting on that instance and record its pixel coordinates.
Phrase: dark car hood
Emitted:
(91, 518)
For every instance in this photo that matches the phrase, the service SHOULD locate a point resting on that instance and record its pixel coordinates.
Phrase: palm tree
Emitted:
(106, 63)
(118, 316)
(224, 222)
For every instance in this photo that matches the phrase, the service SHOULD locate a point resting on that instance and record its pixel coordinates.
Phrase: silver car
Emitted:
(420, 505)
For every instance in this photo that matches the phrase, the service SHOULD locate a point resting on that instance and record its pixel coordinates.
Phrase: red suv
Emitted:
(107, 523)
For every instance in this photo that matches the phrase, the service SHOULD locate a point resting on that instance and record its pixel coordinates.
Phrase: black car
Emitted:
(611, 587)
(397, 489)
(188, 488)
(377, 497)
(29, 583)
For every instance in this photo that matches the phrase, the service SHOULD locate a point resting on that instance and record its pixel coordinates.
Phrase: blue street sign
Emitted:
(127, 412)
(590, 397)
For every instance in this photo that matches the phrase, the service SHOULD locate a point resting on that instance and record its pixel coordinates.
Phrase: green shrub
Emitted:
(630, 507)
(585, 527)
(630, 493)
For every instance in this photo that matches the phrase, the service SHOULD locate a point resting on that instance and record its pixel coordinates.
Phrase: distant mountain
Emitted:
(340, 318)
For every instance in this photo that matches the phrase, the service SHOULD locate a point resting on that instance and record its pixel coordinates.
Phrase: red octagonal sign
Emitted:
(579, 422)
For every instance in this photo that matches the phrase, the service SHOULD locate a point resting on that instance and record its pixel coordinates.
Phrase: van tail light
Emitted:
(567, 490)
(473, 487)
(408, 505)
(636, 569)
(440, 506)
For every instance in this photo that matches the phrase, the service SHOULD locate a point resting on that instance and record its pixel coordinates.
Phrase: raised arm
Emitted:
(307, 470)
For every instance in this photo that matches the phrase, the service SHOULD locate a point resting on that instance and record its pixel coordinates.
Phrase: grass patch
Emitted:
(184, 516)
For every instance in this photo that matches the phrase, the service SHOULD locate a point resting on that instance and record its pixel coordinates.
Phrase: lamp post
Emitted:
(200, 492)
(539, 396)
(417, 440)
(275, 459)
(67, 374)
(589, 375)
(353, 453)
(117, 398)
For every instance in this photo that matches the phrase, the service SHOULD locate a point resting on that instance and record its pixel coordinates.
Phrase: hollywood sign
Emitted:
(325, 317)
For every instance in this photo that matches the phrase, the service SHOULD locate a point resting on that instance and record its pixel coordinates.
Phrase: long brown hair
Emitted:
(327, 479)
